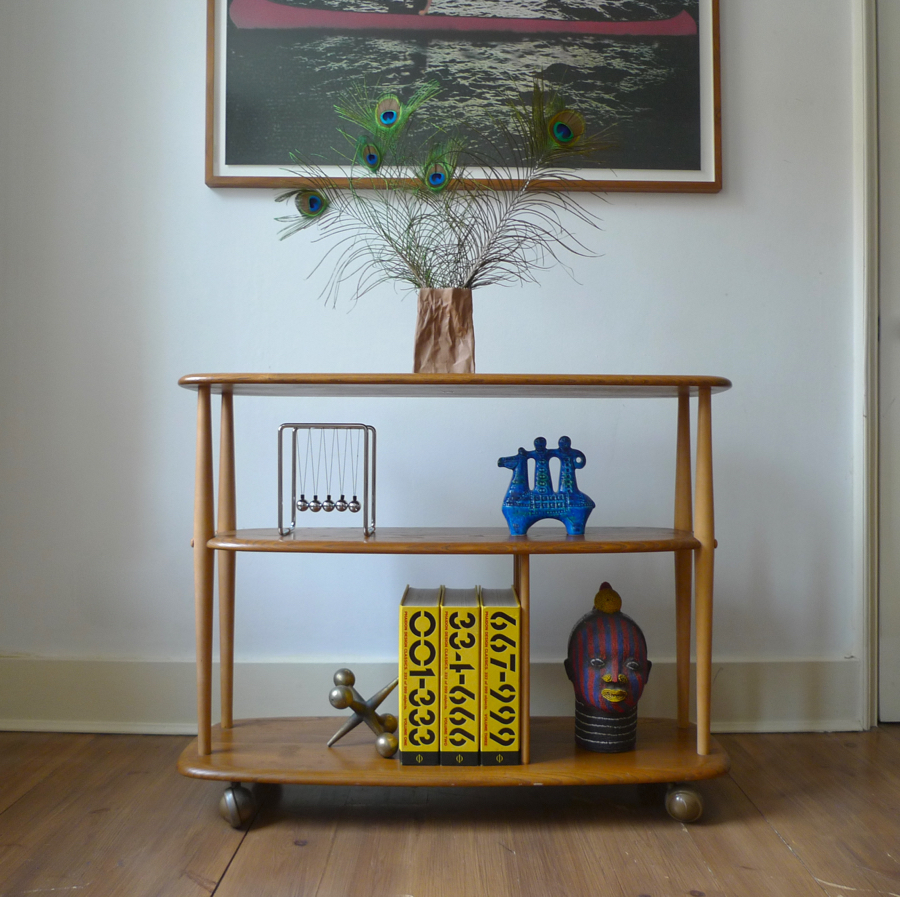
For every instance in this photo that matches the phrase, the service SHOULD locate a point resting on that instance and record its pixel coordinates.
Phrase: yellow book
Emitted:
(501, 620)
(460, 677)
(420, 634)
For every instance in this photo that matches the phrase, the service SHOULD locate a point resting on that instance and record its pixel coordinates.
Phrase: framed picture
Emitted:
(644, 73)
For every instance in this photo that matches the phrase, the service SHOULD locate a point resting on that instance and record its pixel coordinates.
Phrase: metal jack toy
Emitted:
(384, 725)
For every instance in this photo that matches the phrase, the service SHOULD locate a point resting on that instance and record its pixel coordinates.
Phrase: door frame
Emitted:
(866, 346)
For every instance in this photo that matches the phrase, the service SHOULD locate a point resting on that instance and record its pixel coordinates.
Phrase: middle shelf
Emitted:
(456, 540)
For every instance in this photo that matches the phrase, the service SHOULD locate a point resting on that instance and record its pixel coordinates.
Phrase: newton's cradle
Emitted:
(325, 461)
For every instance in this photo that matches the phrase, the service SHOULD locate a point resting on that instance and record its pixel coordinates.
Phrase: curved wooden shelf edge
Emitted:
(462, 385)
(293, 751)
(456, 540)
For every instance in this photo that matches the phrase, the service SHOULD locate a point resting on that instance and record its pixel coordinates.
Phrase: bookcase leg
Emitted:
(704, 530)
(226, 521)
(683, 561)
(203, 567)
(522, 585)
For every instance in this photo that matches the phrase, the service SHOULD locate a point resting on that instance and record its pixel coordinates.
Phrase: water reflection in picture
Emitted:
(641, 89)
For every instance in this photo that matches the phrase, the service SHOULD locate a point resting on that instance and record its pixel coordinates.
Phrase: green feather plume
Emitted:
(566, 127)
(368, 153)
(440, 166)
(383, 112)
(422, 221)
(311, 203)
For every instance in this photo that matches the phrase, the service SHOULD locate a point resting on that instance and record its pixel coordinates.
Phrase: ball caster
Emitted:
(684, 803)
(237, 806)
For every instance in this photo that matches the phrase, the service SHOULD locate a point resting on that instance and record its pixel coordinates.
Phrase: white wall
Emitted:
(120, 271)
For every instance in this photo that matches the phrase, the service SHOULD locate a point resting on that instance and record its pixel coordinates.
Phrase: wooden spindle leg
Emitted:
(704, 530)
(683, 562)
(523, 589)
(226, 521)
(204, 515)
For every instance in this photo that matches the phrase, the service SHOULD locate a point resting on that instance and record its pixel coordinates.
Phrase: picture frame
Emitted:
(271, 83)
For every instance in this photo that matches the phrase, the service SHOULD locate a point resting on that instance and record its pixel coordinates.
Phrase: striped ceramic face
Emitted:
(608, 662)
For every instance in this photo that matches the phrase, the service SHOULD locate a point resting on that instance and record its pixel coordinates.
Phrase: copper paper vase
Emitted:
(445, 333)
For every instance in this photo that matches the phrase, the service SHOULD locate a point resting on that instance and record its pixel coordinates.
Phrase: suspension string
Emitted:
(354, 467)
(329, 463)
(315, 504)
(342, 461)
(345, 449)
(328, 504)
(341, 503)
(306, 457)
(319, 461)
(302, 471)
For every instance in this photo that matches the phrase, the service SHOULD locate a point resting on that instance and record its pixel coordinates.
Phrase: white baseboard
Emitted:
(158, 698)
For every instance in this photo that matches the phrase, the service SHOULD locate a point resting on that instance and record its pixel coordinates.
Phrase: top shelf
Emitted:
(456, 385)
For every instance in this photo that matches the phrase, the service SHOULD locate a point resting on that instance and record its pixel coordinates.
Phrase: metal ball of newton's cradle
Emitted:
(354, 505)
(341, 504)
(302, 503)
(315, 504)
(344, 695)
(328, 504)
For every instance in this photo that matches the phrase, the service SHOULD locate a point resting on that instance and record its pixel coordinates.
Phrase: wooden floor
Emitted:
(88, 815)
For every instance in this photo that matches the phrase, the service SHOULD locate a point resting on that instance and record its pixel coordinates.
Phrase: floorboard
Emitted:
(833, 800)
(810, 815)
(28, 757)
(114, 819)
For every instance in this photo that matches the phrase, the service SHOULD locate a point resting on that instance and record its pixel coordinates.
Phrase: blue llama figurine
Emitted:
(524, 506)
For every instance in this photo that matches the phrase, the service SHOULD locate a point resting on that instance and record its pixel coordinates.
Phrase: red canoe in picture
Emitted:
(268, 14)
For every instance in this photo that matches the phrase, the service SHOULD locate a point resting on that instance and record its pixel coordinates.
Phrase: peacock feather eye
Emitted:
(311, 203)
(368, 154)
(566, 127)
(388, 111)
(437, 176)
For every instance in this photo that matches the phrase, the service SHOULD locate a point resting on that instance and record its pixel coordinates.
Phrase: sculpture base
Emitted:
(604, 733)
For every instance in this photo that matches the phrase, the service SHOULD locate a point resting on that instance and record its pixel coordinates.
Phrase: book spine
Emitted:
(460, 680)
(419, 686)
(500, 723)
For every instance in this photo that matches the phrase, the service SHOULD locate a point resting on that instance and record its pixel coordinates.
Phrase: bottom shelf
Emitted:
(293, 751)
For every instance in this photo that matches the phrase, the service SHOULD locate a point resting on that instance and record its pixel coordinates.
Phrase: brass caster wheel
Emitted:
(684, 803)
(237, 806)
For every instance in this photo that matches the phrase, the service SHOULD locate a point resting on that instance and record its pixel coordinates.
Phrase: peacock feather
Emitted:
(462, 207)
(387, 112)
(311, 203)
(566, 127)
(545, 130)
(382, 113)
(369, 154)
(436, 175)
(440, 165)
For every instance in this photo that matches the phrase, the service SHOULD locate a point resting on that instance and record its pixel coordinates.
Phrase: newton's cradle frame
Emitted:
(293, 751)
(324, 457)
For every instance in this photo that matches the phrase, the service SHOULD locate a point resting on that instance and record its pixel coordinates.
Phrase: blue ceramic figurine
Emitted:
(523, 506)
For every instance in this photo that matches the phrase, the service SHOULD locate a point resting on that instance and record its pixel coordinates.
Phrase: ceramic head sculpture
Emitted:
(607, 663)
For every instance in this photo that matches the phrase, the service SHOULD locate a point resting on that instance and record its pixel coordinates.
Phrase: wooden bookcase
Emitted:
(294, 751)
